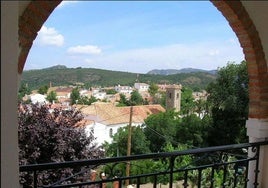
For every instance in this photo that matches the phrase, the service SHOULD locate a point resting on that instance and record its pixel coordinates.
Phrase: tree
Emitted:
(229, 99)
(123, 100)
(161, 128)
(187, 101)
(43, 90)
(85, 100)
(169, 127)
(190, 131)
(52, 96)
(180, 162)
(136, 98)
(162, 99)
(153, 89)
(139, 142)
(111, 91)
(75, 96)
(201, 107)
(23, 90)
(139, 145)
(46, 137)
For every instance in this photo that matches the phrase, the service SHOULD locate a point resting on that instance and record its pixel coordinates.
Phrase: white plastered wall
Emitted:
(257, 130)
(9, 80)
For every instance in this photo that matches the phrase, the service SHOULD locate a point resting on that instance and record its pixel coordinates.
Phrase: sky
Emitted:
(135, 36)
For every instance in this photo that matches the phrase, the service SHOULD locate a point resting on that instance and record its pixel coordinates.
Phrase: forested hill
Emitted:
(176, 71)
(63, 76)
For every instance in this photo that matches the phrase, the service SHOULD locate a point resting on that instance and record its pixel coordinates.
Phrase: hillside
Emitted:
(176, 71)
(63, 76)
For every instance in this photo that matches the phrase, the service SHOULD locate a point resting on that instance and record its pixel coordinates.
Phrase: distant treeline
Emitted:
(90, 77)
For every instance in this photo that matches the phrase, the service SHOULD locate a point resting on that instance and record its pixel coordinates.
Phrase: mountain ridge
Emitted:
(176, 71)
(91, 77)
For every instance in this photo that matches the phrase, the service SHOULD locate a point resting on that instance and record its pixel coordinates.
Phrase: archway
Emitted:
(249, 39)
(37, 12)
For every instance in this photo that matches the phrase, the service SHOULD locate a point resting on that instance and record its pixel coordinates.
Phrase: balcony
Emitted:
(221, 166)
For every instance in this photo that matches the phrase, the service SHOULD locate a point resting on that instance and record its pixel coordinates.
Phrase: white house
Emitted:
(100, 95)
(123, 89)
(63, 92)
(38, 98)
(95, 90)
(141, 87)
(83, 92)
(99, 131)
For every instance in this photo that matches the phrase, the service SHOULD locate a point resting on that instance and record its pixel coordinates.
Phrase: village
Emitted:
(104, 117)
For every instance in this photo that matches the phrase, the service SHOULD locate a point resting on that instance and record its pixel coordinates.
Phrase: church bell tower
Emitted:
(173, 97)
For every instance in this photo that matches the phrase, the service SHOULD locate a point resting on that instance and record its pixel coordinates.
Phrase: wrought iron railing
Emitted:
(221, 166)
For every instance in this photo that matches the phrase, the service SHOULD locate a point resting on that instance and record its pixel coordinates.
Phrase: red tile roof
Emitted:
(108, 114)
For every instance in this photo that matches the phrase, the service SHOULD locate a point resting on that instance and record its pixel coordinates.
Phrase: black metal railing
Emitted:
(221, 166)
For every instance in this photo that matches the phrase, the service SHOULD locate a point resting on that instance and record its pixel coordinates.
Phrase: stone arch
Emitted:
(37, 13)
(30, 22)
(249, 39)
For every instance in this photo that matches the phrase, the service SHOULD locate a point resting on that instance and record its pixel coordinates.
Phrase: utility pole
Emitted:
(129, 144)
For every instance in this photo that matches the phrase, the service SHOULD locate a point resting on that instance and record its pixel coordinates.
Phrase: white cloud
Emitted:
(214, 52)
(204, 55)
(87, 49)
(233, 41)
(49, 36)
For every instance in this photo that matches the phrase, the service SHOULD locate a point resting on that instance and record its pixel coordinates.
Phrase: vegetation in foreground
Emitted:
(46, 137)
(225, 113)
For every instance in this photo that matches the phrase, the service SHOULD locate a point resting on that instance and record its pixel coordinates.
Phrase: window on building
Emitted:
(111, 132)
